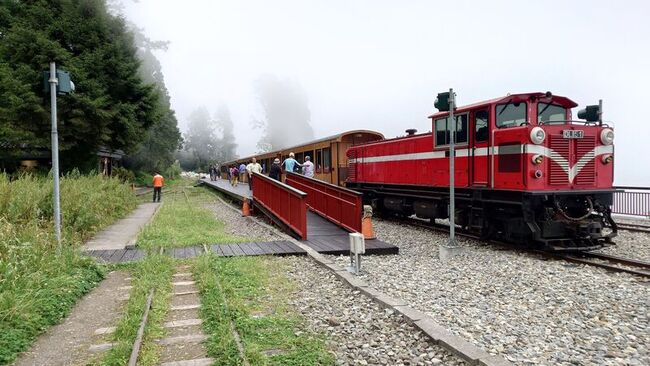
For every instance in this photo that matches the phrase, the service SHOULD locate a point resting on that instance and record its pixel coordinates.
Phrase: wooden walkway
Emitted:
(280, 248)
(322, 235)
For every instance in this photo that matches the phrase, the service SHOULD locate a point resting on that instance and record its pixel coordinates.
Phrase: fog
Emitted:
(379, 64)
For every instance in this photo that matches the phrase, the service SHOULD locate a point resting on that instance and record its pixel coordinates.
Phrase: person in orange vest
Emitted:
(158, 182)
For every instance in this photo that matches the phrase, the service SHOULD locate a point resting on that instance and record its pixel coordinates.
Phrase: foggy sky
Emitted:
(378, 64)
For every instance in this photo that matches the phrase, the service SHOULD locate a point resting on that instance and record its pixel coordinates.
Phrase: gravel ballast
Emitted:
(360, 332)
(522, 307)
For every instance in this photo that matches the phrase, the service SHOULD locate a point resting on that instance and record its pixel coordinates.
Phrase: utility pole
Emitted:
(447, 102)
(55, 156)
(452, 172)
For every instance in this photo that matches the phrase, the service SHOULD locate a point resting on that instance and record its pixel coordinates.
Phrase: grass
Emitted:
(251, 292)
(155, 271)
(37, 287)
(184, 221)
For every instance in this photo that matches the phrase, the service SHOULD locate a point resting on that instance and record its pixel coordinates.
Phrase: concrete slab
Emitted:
(125, 231)
(195, 362)
(186, 339)
(183, 323)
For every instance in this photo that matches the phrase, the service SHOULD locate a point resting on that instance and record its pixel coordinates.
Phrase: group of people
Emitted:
(236, 173)
(290, 164)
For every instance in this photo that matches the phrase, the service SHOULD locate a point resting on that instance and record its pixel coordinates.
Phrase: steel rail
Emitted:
(634, 227)
(135, 351)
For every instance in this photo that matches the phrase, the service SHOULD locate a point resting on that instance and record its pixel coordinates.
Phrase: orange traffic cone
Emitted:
(246, 208)
(366, 223)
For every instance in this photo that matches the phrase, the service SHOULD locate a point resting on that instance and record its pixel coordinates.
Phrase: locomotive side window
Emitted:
(550, 113)
(461, 129)
(443, 130)
(442, 133)
(481, 126)
(511, 114)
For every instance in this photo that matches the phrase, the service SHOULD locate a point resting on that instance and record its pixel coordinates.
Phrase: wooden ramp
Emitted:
(327, 238)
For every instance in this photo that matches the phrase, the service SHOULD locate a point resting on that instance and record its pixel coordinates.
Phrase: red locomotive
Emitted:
(525, 172)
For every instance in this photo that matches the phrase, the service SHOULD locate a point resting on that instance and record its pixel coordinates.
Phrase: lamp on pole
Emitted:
(447, 102)
(59, 82)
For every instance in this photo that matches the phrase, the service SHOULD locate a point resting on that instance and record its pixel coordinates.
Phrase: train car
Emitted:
(328, 155)
(525, 172)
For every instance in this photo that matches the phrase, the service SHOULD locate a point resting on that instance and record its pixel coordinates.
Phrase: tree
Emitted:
(286, 113)
(163, 138)
(200, 139)
(112, 106)
(226, 146)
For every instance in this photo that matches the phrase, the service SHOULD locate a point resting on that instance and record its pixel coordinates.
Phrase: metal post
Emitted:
(452, 157)
(55, 157)
(600, 112)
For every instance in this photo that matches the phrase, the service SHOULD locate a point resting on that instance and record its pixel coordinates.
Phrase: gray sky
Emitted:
(378, 64)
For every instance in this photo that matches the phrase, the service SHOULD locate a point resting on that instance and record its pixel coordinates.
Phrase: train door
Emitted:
(480, 148)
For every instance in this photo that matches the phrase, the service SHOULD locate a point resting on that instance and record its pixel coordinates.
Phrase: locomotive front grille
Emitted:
(352, 166)
(561, 157)
(585, 153)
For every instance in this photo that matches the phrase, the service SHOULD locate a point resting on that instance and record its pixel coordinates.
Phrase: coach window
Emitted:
(442, 133)
(481, 126)
(327, 160)
(319, 161)
(511, 114)
(550, 113)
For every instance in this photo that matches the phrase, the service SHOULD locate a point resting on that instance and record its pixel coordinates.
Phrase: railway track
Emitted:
(601, 260)
(634, 227)
(610, 263)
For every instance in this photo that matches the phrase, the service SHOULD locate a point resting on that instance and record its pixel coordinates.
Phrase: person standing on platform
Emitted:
(252, 167)
(291, 163)
(275, 170)
(234, 173)
(242, 172)
(308, 167)
(158, 182)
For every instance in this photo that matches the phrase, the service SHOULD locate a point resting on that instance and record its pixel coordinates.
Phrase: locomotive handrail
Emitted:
(586, 123)
(286, 203)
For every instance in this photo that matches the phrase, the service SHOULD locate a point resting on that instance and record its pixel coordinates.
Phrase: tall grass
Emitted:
(38, 288)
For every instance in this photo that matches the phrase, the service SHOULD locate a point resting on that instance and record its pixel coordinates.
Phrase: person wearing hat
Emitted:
(275, 170)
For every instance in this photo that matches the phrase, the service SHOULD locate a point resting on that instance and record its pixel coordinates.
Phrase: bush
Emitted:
(124, 175)
(174, 171)
(38, 288)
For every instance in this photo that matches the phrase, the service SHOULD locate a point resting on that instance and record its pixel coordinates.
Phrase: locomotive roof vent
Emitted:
(411, 131)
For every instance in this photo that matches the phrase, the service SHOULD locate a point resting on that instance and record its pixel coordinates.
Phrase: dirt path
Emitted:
(83, 337)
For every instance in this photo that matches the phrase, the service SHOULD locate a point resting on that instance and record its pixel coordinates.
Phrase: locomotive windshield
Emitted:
(550, 113)
(511, 114)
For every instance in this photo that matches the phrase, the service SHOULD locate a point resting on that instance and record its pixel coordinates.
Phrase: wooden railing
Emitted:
(286, 203)
(339, 205)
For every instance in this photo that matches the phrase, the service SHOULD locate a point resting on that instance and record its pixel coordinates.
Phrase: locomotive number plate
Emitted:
(573, 134)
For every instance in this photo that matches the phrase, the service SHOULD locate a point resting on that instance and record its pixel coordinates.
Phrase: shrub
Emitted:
(37, 287)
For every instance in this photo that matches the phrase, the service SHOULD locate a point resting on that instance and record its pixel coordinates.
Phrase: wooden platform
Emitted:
(222, 185)
(327, 238)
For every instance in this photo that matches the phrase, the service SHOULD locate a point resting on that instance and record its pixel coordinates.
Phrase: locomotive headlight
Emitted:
(537, 159)
(607, 136)
(537, 135)
(607, 159)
